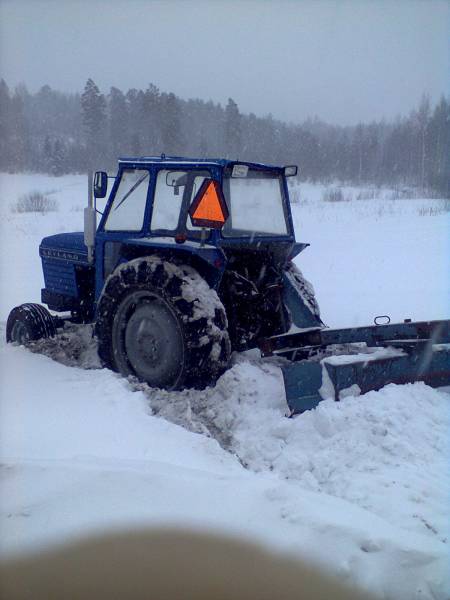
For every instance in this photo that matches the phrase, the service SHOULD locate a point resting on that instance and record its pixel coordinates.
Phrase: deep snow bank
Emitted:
(387, 451)
(357, 486)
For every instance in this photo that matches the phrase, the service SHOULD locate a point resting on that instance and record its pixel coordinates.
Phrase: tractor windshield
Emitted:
(256, 205)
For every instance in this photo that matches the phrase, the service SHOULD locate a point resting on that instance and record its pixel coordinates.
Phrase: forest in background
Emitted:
(58, 133)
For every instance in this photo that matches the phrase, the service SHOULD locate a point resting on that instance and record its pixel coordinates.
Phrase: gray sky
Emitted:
(343, 61)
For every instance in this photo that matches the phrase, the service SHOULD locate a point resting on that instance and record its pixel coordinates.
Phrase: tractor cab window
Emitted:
(256, 204)
(128, 208)
(170, 187)
(174, 193)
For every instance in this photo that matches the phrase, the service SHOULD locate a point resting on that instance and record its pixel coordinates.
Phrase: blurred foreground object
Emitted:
(166, 564)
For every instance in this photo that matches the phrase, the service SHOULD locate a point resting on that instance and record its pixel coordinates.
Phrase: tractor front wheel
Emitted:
(163, 324)
(29, 323)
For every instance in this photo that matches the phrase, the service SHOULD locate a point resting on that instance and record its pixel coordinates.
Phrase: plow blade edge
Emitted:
(308, 383)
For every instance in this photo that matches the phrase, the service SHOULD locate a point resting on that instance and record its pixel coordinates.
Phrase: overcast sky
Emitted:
(344, 61)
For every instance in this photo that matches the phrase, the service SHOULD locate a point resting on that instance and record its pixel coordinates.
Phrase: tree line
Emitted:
(54, 132)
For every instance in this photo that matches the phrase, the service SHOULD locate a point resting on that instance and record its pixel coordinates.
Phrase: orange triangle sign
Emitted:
(209, 208)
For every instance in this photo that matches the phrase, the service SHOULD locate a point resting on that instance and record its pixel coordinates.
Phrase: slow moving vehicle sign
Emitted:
(209, 208)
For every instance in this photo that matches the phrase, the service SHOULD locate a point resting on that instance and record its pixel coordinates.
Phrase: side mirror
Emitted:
(290, 171)
(100, 184)
(176, 178)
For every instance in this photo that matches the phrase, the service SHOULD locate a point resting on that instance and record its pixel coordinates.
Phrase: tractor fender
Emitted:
(299, 298)
(209, 261)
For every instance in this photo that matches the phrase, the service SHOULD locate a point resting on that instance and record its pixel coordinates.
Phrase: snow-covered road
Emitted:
(361, 486)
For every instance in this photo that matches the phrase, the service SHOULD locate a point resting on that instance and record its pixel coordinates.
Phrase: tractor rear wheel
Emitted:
(163, 324)
(29, 323)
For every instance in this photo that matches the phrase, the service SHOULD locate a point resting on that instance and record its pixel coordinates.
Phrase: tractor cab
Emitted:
(191, 259)
(212, 201)
(230, 220)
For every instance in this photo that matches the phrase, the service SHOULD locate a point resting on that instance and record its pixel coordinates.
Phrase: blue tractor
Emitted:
(191, 260)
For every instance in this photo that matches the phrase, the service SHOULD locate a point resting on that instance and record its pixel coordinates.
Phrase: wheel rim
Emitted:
(148, 340)
(19, 333)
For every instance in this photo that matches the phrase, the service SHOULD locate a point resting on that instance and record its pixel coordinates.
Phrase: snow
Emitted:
(361, 487)
(365, 357)
(375, 257)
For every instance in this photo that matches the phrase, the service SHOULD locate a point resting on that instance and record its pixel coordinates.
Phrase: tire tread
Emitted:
(204, 362)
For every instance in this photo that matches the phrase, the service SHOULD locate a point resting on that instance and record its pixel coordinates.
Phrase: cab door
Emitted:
(125, 217)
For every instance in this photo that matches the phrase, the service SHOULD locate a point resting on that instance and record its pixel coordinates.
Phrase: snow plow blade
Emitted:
(333, 363)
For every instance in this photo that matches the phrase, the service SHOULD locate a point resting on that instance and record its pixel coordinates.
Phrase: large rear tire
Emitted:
(163, 324)
(29, 323)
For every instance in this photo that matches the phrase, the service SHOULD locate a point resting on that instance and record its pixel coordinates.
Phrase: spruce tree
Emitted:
(150, 120)
(171, 133)
(232, 129)
(5, 126)
(118, 125)
(94, 120)
(47, 150)
(58, 158)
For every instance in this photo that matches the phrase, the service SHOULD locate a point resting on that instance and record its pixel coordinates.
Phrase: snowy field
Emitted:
(361, 487)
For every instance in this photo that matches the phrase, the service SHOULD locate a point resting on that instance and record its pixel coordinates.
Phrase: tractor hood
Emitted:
(65, 246)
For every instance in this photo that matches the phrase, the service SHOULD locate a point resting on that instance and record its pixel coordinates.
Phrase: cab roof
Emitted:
(177, 160)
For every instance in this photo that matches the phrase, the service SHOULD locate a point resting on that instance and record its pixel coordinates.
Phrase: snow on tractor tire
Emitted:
(162, 323)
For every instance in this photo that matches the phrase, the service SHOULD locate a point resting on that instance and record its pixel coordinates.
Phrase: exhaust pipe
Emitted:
(90, 221)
